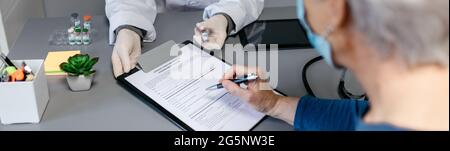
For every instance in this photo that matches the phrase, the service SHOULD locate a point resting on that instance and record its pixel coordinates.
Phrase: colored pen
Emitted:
(247, 78)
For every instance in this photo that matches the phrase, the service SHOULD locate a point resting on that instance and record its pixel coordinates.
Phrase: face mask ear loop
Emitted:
(329, 30)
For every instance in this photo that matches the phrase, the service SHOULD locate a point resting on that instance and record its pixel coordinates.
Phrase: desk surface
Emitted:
(108, 106)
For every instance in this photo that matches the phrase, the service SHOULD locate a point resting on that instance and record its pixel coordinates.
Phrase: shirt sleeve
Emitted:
(315, 114)
(242, 12)
(138, 31)
(231, 24)
(136, 13)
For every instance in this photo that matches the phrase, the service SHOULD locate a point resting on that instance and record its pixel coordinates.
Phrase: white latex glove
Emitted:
(126, 51)
(217, 27)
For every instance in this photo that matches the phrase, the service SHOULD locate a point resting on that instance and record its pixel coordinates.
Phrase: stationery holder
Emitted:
(24, 102)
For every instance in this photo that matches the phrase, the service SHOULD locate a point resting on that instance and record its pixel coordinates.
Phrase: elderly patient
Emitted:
(399, 51)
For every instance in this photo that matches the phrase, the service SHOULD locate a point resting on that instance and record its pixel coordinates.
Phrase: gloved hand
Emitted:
(217, 28)
(126, 51)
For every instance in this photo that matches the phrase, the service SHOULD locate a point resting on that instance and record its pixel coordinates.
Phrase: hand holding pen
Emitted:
(258, 93)
(238, 81)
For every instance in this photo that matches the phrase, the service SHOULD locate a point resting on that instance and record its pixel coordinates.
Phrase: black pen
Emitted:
(6, 60)
(247, 78)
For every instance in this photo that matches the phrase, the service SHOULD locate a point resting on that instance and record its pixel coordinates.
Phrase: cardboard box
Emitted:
(24, 102)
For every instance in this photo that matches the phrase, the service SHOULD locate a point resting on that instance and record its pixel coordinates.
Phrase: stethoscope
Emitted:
(343, 92)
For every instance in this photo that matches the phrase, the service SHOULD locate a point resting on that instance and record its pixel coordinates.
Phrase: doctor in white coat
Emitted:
(131, 22)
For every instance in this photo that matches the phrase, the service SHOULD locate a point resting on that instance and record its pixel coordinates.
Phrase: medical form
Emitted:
(179, 86)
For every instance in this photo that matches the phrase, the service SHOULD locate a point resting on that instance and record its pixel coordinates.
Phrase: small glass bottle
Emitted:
(71, 36)
(86, 37)
(87, 22)
(76, 22)
(78, 38)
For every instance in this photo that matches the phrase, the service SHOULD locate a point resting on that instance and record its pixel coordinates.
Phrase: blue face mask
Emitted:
(320, 43)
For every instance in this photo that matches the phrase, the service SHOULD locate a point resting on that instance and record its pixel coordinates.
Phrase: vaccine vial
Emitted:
(72, 39)
(76, 22)
(87, 22)
(205, 36)
(86, 37)
(71, 36)
(78, 37)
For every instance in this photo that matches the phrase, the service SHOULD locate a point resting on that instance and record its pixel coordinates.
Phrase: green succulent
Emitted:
(80, 64)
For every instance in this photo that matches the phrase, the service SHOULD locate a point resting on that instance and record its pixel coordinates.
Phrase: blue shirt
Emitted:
(315, 114)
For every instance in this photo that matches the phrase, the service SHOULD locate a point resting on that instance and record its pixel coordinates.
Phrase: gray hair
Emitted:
(418, 29)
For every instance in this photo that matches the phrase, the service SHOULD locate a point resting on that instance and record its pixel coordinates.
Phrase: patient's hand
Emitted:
(260, 95)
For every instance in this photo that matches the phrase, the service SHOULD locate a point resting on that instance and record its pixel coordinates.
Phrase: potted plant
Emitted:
(80, 72)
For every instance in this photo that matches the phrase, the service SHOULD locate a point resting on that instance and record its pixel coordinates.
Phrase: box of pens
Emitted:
(24, 93)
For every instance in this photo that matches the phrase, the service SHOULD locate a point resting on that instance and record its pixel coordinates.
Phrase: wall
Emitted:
(62, 8)
(16, 13)
(3, 42)
(280, 3)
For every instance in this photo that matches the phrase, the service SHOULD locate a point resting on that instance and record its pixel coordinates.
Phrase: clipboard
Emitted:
(152, 103)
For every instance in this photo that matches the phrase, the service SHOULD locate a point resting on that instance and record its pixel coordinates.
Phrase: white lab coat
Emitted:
(142, 13)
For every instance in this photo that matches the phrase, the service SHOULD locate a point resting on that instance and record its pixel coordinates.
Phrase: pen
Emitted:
(6, 60)
(27, 68)
(247, 78)
(29, 75)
